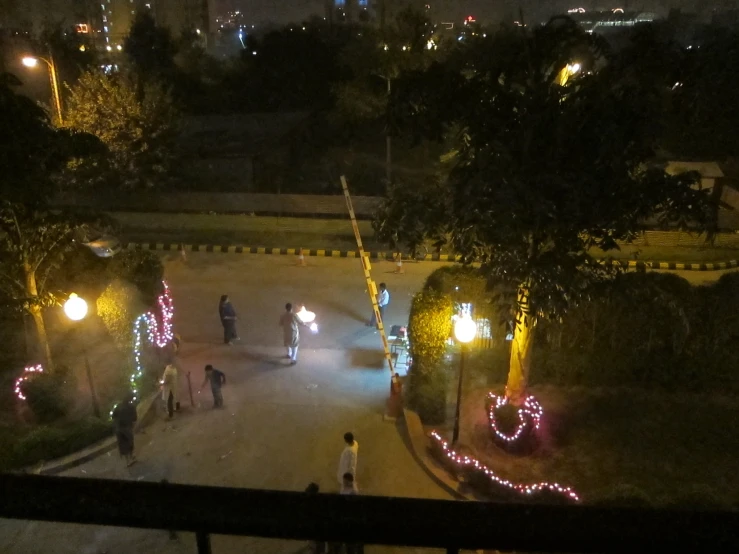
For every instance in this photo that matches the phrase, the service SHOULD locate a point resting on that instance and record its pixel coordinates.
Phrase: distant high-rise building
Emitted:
(177, 15)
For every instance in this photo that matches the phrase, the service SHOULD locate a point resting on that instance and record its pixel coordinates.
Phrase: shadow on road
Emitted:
(367, 358)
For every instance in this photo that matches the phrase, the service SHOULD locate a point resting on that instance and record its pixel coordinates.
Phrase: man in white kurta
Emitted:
(170, 389)
(290, 324)
(348, 459)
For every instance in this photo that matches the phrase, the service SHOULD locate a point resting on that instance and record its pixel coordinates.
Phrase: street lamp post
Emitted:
(465, 330)
(32, 61)
(76, 309)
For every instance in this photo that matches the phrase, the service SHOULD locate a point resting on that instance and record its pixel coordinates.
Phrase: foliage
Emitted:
(407, 215)
(31, 150)
(143, 269)
(546, 165)
(464, 284)
(650, 330)
(50, 442)
(428, 330)
(703, 99)
(73, 52)
(149, 49)
(117, 306)
(137, 127)
(48, 394)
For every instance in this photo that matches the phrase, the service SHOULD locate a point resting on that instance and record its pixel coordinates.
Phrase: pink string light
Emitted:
(529, 414)
(27, 372)
(469, 461)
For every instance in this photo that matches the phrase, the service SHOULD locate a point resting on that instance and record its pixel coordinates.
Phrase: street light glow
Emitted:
(465, 329)
(30, 61)
(75, 307)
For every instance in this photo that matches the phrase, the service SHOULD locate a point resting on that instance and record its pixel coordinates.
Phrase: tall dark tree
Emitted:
(33, 238)
(150, 50)
(549, 160)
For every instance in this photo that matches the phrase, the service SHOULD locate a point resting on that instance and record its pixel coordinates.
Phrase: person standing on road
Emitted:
(348, 459)
(291, 323)
(124, 417)
(217, 379)
(383, 299)
(170, 389)
(228, 317)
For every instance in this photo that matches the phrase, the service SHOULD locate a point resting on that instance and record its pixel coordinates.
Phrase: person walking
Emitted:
(383, 299)
(348, 458)
(349, 487)
(217, 379)
(124, 418)
(291, 323)
(228, 317)
(170, 389)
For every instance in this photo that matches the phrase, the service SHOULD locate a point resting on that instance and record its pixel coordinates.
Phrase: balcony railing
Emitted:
(452, 525)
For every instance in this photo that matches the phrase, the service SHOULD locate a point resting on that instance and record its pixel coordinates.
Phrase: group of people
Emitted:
(289, 321)
(347, 486)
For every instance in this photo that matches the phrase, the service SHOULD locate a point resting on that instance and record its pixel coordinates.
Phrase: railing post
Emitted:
(203, 540)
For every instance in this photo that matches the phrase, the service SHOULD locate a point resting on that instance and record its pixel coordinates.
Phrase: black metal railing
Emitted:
(453, 525)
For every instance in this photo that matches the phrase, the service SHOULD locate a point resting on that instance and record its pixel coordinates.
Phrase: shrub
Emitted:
(47, 443)
(428, 330)
(143, 269)
(47, 394)
(118, 306)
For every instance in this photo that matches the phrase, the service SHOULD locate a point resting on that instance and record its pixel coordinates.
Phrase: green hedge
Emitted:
(653, 330)
(46, 443)
(428, 330)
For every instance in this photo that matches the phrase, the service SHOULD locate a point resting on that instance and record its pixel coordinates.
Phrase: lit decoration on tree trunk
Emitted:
(470, 463)
(27, 372)
(158, 332)
(529, 415)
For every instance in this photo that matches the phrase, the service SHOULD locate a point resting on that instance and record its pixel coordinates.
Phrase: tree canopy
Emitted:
(548, 160)
(138, 131)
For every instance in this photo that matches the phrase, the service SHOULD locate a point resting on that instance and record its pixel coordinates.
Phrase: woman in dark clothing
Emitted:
(124, 418)
(228, 319)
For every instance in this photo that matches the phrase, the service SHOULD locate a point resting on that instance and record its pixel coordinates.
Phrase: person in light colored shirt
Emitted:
(348, 459)
(383, 299)
(349, 486)
(291, 324)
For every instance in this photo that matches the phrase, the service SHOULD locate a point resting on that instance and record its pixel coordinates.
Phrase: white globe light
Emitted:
(465, 329)
(75, 307)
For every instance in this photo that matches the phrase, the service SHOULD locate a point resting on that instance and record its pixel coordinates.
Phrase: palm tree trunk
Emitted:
(521, 349)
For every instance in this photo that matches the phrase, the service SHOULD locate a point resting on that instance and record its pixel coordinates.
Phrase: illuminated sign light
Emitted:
(82, 28)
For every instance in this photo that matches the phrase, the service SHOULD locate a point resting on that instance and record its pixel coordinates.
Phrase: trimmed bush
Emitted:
(429, 328)
(47, 394)
(118, 306)
(48, 443)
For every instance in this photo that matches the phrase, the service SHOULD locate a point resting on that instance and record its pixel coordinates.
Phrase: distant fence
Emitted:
(234, 203)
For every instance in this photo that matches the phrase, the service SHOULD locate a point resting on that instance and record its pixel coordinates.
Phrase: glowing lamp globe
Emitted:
(29, 61)
(465, 329)
(75, 307)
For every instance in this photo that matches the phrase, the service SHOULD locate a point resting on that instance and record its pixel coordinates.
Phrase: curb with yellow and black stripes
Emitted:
(328, 253)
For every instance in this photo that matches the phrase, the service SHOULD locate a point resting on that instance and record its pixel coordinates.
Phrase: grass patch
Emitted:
(626, 447)
(678, 254)
(20, 448)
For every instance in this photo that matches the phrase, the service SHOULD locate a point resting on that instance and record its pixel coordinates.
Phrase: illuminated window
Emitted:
(82, 28)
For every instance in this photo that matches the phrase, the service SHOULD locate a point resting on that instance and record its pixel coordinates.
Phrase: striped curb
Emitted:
(328, 253)
(320, 253)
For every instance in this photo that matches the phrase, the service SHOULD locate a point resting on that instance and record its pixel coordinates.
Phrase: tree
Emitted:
(150, 51)
(138, 131)
(549, 161)
(375, 60)
(33, 239)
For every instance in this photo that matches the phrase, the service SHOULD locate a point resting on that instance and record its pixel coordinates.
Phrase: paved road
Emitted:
(282, 427)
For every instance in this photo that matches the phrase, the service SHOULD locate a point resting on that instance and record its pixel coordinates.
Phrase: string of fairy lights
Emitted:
(529, 414)
(524, 489)
(27, 372)
(157, 332)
